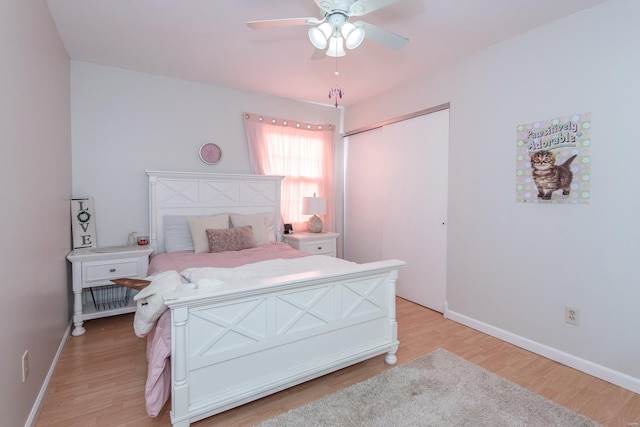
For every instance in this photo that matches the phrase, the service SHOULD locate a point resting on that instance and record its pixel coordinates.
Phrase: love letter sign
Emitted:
(83, 223)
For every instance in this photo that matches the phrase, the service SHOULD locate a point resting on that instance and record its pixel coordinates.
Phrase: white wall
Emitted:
(35, 183)
(125, 122)
(512, 268)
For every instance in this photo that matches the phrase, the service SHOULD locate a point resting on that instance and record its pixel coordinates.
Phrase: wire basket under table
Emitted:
(110, 297)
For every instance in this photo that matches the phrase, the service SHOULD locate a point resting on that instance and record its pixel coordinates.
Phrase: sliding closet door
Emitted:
(396, 202)
(415, 214)
(362, 237)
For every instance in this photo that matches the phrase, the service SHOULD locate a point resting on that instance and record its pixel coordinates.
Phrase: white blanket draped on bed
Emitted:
(214, 277)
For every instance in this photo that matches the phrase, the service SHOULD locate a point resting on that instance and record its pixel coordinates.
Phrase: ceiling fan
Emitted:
(334, 29)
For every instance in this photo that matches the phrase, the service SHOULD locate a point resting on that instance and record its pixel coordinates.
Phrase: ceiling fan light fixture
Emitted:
(319, 35)
(336, 47)
(353, 35)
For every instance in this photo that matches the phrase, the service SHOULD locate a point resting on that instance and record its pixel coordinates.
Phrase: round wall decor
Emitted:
(210, 153)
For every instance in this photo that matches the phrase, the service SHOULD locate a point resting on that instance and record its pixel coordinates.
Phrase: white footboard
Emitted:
(234, 347)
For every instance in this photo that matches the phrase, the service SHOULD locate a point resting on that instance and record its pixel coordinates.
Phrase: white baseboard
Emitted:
(583, 365)
(36, 405)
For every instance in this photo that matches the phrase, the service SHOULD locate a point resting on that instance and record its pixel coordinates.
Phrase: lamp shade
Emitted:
(314, 206)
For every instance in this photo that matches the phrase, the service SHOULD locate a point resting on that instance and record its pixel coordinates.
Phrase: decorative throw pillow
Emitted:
(199, 225)
(256, 221)
(233, 239)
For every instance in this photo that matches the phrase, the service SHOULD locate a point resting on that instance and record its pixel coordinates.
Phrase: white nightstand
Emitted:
(316, 243)
(94, 295)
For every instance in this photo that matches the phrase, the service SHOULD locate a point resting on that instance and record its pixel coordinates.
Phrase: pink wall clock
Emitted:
(210, 153)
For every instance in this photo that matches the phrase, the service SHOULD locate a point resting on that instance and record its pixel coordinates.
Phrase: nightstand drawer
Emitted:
(105, 270)
(315, 243)
(319, 247)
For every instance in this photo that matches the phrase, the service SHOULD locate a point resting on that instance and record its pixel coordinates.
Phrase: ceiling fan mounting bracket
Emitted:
(337, 18)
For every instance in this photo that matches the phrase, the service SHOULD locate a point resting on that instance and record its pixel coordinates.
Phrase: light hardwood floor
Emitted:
(100, 378)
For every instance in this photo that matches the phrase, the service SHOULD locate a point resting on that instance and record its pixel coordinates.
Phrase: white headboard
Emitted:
(188, 193)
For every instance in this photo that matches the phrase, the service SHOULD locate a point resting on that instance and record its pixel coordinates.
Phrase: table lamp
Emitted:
(314, 206)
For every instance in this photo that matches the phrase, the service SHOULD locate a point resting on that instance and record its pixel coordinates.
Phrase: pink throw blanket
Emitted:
(158, 387)
(180, 261)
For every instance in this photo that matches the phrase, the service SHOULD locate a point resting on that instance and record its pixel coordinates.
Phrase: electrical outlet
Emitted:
(572, 315)
(25, 365)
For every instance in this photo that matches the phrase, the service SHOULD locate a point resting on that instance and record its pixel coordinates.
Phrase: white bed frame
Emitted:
(234, 346)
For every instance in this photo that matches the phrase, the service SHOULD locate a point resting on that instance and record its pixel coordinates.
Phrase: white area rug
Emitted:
(439, 389)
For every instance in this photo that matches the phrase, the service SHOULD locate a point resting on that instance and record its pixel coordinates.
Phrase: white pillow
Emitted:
(199, 225)
(258, 225)
(177, 236)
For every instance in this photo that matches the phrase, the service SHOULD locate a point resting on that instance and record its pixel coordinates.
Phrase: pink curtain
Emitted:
(303, 153)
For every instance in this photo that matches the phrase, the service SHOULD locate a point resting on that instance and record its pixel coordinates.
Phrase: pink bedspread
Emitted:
(158, 387)
(180, 261)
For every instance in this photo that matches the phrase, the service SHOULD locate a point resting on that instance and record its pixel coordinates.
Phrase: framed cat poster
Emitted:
(553, 161)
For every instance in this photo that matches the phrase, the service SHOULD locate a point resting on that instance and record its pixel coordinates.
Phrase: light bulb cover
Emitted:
(353, 35)
(347, 27)
(319, 35)
(336, 47)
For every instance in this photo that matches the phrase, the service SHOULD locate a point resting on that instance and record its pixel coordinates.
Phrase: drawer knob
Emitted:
(319, 248)
(112, 270)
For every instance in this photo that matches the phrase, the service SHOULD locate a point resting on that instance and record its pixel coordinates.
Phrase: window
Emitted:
(303, 153)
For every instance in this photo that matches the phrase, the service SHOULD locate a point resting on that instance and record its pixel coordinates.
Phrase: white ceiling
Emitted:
(208, 41)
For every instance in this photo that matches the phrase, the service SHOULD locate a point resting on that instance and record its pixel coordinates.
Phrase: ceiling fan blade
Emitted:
(277, 23)
(362, 7)
(382, 36)
(318, 54)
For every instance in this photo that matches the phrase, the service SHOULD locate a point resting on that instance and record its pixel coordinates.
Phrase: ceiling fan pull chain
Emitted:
(336, 92)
